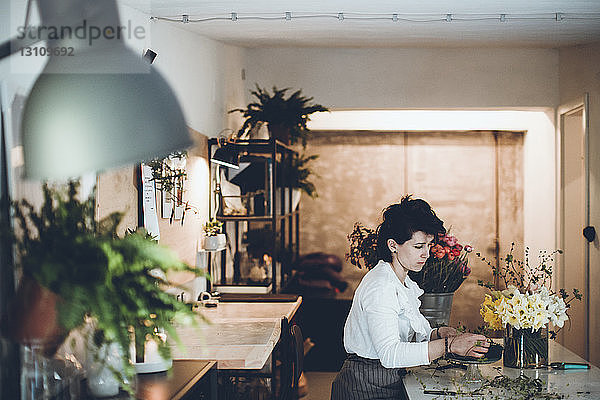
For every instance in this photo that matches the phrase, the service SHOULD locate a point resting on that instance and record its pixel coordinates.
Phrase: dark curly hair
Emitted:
(402, 219)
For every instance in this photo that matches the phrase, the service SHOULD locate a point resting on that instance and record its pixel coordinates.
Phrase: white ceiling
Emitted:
(529, 23)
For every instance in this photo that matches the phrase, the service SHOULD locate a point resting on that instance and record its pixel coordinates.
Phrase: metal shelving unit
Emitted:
(275, 211)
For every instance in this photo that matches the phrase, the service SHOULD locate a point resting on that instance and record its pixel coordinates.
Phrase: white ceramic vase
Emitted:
(296, 194)
(153, 361)
(101, 380)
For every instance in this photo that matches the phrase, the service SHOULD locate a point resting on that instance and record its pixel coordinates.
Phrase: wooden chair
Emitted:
(292, 359)
(297, 344)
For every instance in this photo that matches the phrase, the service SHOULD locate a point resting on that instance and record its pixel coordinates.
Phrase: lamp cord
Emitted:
(27, 15)
(14, 44)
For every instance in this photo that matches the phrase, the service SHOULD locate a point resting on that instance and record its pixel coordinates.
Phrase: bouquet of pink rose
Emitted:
(446, 268)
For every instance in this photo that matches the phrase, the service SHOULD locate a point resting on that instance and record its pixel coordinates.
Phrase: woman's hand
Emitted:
(446, 331)
(469, 344)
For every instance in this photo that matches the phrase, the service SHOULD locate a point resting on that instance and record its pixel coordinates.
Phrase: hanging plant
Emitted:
(169, 175)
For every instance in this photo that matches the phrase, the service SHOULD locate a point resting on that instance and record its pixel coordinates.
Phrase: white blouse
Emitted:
(384, 321)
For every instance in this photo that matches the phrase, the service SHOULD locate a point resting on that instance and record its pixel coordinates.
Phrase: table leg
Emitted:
(213, 383)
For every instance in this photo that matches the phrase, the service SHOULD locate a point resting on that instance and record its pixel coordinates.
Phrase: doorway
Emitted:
(573, 267)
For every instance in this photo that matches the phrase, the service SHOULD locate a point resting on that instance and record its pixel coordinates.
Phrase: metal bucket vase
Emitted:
(436, 308)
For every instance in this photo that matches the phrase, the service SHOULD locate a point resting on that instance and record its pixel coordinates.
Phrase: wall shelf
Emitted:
(255, 217)
(270, 215)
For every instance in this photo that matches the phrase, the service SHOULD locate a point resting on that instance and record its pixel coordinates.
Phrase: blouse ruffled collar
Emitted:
(408, 294)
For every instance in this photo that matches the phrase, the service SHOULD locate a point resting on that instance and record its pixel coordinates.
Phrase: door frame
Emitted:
(579, 104)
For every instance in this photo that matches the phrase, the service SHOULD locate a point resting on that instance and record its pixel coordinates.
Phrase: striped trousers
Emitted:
(366, 379)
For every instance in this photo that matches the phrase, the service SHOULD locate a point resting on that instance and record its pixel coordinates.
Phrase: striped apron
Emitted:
(366, 379)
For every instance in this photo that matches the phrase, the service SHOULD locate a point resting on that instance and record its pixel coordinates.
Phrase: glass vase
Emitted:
(45, 377)
(524, 348)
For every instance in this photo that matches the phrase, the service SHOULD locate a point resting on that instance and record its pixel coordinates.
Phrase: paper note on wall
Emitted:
(149, 202)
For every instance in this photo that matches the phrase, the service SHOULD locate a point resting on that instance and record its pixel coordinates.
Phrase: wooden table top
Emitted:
(238, 335)
(166, 386)
(162, 386)
(251, 311)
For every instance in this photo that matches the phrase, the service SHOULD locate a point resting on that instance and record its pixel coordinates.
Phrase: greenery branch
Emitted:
(523, 275)
(501, 386)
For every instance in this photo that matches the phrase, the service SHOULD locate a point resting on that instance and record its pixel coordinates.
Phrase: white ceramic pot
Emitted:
(215, 242)
(296, 194)
(222, 240)
(101, 381)
(153, 361)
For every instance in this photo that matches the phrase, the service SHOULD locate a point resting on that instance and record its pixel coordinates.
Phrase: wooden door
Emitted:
(573, 266)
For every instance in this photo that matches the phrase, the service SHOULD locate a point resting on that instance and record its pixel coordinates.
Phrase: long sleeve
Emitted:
(383, 320)
(389, 328)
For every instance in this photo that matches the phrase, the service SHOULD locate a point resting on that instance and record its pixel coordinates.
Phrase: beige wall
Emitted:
(579, 70)
(539, 163)
(117, 192)
(343, 78)
(204, 74)
(183, 239)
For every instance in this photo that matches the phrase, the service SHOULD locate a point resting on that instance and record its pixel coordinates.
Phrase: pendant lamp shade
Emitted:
(227, 156)
(102, 108)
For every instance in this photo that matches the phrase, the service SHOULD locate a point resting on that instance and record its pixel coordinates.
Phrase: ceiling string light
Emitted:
(393, 17)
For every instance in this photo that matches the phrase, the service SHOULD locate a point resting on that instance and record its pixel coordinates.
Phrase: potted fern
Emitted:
(286, 117)
(299, 173)
(89, 273)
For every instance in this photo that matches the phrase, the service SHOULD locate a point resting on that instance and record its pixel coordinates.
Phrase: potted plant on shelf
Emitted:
(286, 117)
(297, 176)
(299, 172)
(214, 238)
(90, 274)
(443, 273)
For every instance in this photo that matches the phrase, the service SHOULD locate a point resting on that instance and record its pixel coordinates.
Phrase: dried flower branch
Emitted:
(363, 246)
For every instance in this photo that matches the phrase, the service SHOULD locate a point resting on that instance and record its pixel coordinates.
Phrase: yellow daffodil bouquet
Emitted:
(527, 302)
(525, 307)
(521, 310)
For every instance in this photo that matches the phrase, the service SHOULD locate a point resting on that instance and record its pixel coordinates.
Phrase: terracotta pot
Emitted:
(33, 316)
